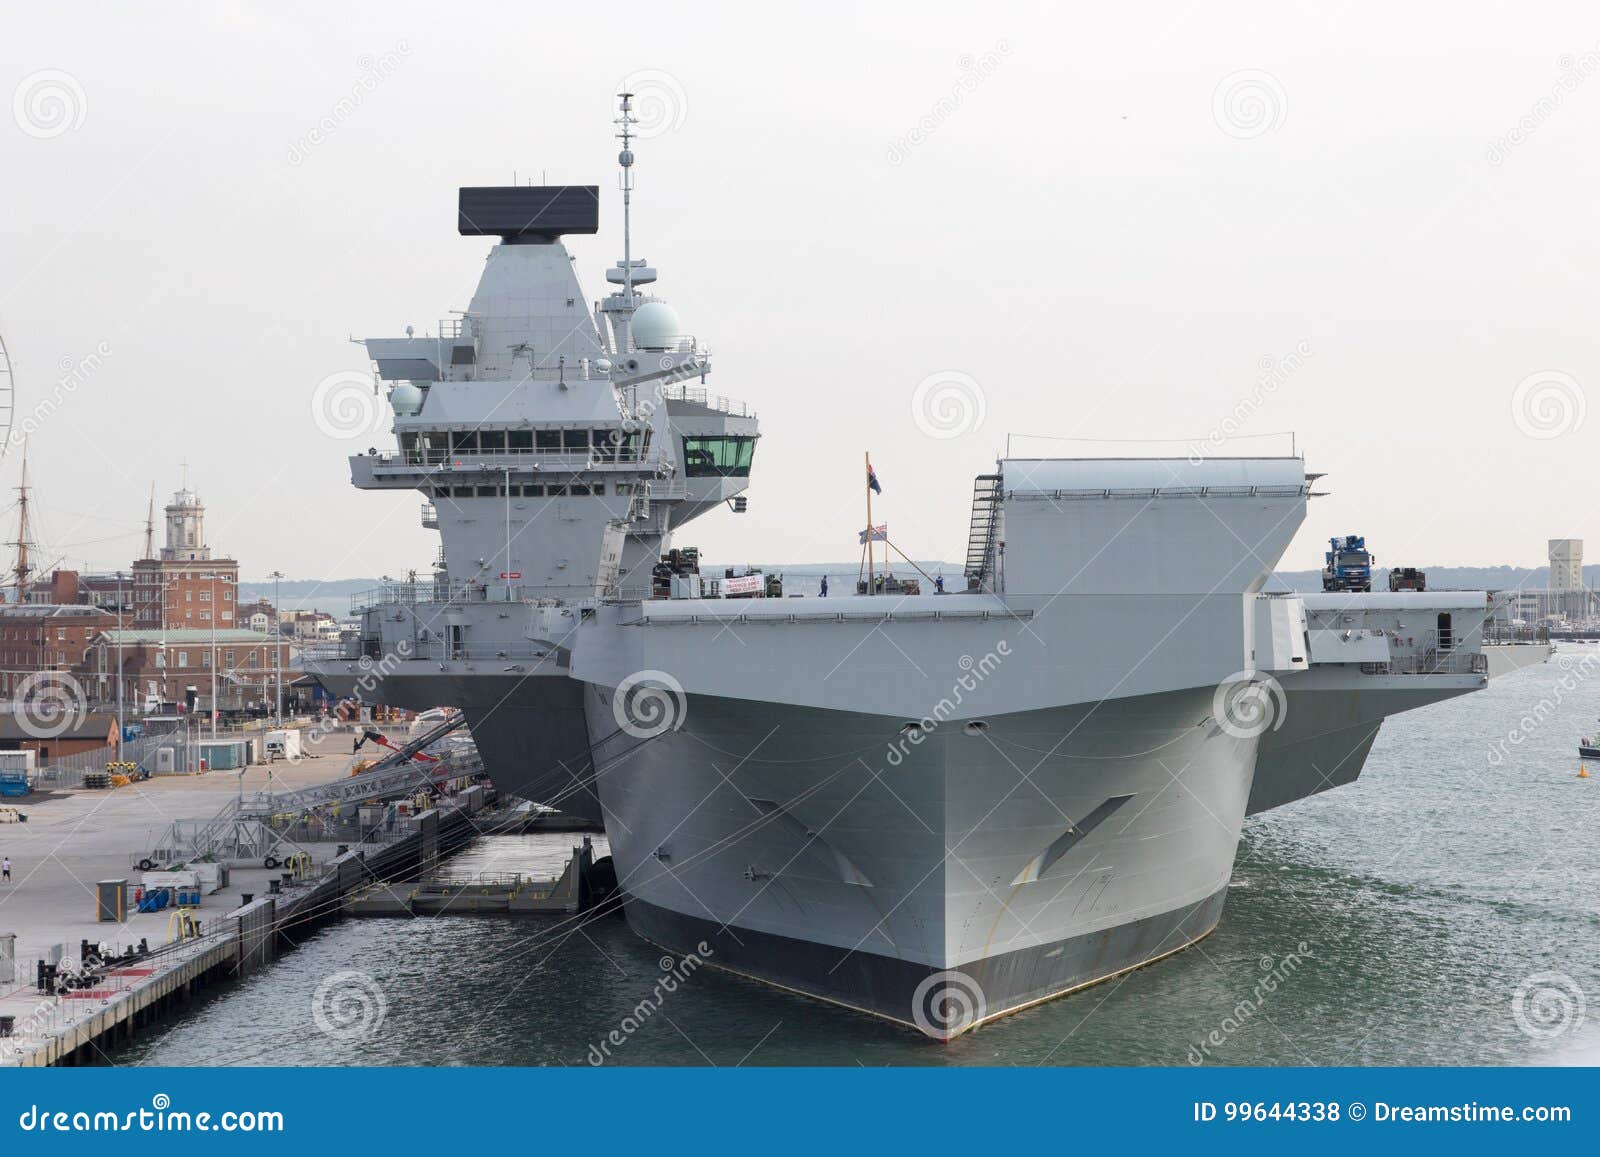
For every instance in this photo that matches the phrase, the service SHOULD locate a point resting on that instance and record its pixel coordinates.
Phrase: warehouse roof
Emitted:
(33, 724)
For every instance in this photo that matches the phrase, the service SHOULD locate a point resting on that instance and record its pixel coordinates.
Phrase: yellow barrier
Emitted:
(183, 924)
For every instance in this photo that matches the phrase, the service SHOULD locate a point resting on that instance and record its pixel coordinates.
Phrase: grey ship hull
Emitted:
(1022, 875)
(528, 727)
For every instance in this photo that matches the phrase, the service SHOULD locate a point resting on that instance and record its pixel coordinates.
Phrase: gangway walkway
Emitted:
(242, 830)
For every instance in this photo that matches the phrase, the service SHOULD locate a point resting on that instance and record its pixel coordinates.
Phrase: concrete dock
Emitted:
(573, 891)
(74, 839)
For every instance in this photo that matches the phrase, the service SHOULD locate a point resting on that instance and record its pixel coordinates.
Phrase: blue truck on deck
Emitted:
(1348, 566)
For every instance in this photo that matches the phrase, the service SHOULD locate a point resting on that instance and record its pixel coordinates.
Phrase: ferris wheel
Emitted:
(7, 398)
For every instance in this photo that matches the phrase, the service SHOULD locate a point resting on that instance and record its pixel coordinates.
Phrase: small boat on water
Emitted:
(1589, 748)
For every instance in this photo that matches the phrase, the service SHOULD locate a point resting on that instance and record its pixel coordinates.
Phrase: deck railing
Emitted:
(1432, 663)
(1503, 633)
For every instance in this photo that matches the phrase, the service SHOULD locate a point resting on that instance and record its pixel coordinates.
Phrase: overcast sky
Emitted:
(907, 229)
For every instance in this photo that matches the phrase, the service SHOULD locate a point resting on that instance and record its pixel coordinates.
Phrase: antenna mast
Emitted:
(625, 158)
(22, 569)
(150, 525)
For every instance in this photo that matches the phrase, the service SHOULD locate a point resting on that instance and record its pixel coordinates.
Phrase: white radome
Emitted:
(655, 326)
(406, 398)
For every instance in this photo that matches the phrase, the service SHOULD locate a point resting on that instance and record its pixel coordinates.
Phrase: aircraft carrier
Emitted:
(934, 807)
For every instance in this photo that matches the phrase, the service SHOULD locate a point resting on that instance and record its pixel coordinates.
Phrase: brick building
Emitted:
(85, 732)
(185, 588)
(260, 615)
(164, 664)
(109, 591)
(46, 637)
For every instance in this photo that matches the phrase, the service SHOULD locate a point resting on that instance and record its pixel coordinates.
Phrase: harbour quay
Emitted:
(88, 956)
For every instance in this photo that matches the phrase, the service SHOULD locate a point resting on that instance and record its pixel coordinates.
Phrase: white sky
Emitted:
(1085, 234)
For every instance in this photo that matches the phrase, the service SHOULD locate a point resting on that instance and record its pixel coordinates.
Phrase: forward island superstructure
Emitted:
(936, 808)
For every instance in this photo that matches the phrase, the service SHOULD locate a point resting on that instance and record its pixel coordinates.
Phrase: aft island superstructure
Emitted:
(936, 808)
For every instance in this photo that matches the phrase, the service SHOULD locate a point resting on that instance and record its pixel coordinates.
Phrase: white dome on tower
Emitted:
(655, 326)
(406, 398)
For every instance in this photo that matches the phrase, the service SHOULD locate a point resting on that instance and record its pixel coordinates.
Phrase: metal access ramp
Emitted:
(242, 831)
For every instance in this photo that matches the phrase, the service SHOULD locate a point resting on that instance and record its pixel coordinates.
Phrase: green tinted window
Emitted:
(727, 456)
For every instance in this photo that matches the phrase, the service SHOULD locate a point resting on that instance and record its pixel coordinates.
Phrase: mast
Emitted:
(872, 566)
(23, 568)
(625, 158)
(150, 525)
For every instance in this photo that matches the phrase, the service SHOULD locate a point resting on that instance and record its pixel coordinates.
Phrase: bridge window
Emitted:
(519, 440)
(574, 439)
(547, 439)
(727, 456)
(491, 441)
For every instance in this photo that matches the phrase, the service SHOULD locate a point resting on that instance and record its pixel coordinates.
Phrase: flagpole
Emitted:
(871, 563)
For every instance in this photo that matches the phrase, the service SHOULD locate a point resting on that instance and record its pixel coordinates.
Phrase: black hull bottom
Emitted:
(943, 1003)
(537, 745)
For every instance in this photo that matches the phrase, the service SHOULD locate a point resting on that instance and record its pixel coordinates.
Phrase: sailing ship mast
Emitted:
(23, 568)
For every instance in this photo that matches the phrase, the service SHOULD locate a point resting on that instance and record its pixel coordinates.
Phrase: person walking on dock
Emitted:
(5, 869)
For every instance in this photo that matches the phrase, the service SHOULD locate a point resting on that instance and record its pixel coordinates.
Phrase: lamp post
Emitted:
(277, 645)
(213, 654)
(121, 626)
(166, 676)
